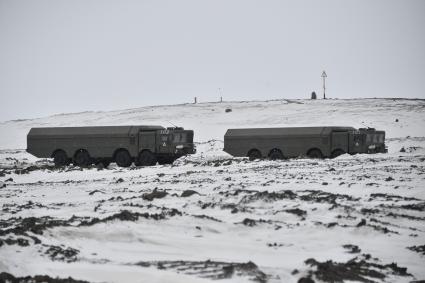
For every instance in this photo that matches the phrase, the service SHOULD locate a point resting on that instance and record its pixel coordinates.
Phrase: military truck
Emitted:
(82, 146)
(313, 142)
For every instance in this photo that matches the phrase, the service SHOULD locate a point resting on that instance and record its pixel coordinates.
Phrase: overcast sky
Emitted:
(71, 56)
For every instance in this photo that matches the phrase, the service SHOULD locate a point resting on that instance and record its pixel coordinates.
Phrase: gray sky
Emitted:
(71, 56)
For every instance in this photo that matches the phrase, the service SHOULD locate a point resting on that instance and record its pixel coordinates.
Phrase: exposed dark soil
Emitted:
(37, 225)
(297, 211)
(203, 216)
(62, 254)
(415, 206)
(154, 194)
(188, 193)
(126, 215)
(392, 197)
(268, 196)
(31, 168)
(396, 215)
(253, 222)
(95, 191)
(305, 195)
(214, 270)
(18, 241)
(9, 278)
(356, 269)
(208, 163)
(418, 249)
(14, 208)
(321, 196)
(352, 249)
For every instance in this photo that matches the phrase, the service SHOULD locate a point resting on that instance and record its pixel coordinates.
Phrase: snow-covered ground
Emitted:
(210, 216)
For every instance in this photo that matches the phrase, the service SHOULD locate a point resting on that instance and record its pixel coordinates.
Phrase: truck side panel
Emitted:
(291, 141)
(289, 146)
(339, 141)
(147, 140)
(98, 141)
(97, 147)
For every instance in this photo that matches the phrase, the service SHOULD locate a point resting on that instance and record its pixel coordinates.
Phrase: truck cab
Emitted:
(166, 144)
(176, 140)
(367, 140)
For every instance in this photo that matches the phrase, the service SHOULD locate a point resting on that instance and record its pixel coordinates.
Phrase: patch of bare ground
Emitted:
(9, 278)
(361, 269)
(214, 270)
(37, 225)
(418, 249)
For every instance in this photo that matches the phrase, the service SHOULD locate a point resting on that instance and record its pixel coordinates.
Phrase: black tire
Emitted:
(315, 153)
(275, 154)
(82, 158)
(254, 154)
(123, 158)
(146, 158)
(60, 158)
(337, 152)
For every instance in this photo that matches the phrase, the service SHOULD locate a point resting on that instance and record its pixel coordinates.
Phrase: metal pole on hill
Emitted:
(324, 86)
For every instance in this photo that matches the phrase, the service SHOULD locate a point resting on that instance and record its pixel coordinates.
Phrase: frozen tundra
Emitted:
(314, 142)
(143, 145)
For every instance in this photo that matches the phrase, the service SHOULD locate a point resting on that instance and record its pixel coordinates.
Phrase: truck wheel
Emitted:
(337, 152)
(82, 158)
(60, 158)
(254, 154)
(123, 158)
(315, 153)
(275, 154)
(146, 158)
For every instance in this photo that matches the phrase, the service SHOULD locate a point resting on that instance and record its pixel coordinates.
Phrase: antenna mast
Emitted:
(324, 86)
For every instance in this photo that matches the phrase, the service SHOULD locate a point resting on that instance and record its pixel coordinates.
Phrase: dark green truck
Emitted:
(314, 142)
(143, 145)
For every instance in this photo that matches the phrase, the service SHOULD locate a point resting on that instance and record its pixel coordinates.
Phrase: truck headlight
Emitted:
(372, 146)
(180, 146)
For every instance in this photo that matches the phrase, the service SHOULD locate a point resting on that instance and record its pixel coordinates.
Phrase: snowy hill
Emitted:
(213, 218)
(210, 121)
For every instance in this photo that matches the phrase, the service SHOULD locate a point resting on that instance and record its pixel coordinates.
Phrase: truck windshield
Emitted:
(374, 138)
(369, 138)
(180, 137)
